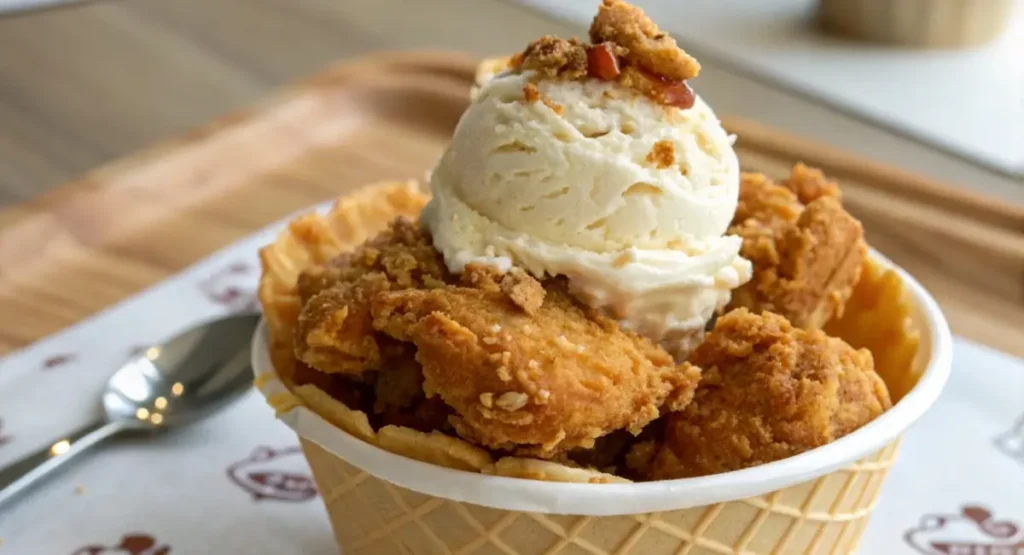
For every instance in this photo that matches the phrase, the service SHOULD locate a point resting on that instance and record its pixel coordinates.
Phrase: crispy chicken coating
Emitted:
(806, 259)
(522, 365)
(768, 391)
(534, 384)
(335, 332)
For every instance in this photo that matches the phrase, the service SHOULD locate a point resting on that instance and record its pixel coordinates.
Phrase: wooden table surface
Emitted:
(85, 84)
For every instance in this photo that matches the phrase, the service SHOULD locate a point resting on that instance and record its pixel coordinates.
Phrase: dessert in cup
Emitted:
(592, 311)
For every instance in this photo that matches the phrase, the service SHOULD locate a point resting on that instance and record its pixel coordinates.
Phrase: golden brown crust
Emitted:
(334, 332)
(810, 184)
(646, 45)
(312, 239)
(769, 391)
(535, 384)
(806, 258)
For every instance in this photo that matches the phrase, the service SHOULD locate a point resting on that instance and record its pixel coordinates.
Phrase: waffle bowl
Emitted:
(397, 490)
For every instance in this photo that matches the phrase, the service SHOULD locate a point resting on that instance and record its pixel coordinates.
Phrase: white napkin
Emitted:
(238, 484)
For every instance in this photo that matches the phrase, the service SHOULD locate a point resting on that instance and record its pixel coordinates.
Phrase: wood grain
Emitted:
(126, 225)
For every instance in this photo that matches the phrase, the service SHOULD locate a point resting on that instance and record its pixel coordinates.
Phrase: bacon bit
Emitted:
(602, 62)
(670, 91)
(679, 95)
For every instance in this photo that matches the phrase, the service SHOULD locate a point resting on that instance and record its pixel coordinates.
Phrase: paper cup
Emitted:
(815, 502)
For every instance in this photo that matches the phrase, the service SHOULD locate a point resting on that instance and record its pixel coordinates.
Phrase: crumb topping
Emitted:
(523, 290)
(662, 155)
(555, 57)
(626, 46)
(648, 46)
(512, 401)
(809, 184)
(532, 94)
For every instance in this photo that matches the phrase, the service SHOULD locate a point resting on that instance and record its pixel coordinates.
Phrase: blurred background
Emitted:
(932, 86)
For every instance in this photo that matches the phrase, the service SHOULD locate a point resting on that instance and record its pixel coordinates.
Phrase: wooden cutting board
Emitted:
(129, 224)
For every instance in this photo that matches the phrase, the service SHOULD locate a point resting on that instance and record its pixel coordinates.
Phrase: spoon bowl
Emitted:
(183, 380)
(189, 377)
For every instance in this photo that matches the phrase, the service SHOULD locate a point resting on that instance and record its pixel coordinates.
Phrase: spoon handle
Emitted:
(22, 474)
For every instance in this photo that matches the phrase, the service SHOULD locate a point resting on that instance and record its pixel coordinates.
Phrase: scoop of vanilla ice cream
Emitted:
(572, 184)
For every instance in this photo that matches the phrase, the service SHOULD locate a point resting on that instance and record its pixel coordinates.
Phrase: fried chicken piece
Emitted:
(534, 384)
(806, 259)
(768, 391)
(391, 396)
(646, 45)
(334, 332)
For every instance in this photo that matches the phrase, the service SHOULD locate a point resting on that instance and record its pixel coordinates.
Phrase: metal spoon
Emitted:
(183, 380)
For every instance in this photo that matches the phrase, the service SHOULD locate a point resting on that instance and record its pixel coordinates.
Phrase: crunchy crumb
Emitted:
(79, 490)
(334, 333)
(629, 27)
(487, 399)
(810, 184)
(512, 401)
(531, 93)
(554, 57)
(662, 155)
(555, 107)
(627, 47)
(523, 290)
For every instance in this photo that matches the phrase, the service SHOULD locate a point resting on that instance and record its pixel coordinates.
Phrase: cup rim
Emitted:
(520, 494)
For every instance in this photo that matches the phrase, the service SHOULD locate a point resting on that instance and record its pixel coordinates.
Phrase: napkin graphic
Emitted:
(232, 287)
(131, 544)
(279, 474)
(972, 532)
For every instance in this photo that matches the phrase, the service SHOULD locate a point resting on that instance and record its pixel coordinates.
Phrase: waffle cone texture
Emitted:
(371, 516)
